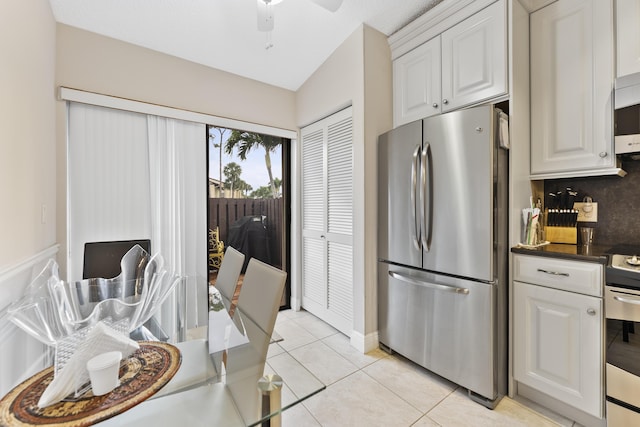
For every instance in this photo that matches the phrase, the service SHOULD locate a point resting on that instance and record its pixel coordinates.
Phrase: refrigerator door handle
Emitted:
(414, 189)
(426, 197)
(438, 287)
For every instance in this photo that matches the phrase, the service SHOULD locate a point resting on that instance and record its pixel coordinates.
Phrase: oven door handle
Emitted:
(626, 300)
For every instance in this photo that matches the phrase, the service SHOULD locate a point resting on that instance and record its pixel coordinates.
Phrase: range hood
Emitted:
(627, 91)
(627, 114)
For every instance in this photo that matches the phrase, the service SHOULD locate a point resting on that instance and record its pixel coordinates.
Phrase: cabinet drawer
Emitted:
(622, 304)
(575, 276)
(624, 386)
(618, 416)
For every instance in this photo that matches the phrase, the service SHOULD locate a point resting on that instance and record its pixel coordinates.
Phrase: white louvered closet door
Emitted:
(327, 220)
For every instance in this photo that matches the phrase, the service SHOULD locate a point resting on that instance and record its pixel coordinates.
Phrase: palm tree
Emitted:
(277, 183)
(212, 137)
(246, 141)
(245, 187)
(232, 172)
(262, 193)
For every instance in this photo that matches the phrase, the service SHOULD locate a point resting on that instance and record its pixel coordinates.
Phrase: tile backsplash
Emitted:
(618, 203)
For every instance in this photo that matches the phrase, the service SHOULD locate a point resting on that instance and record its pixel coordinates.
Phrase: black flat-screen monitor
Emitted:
(102, 259)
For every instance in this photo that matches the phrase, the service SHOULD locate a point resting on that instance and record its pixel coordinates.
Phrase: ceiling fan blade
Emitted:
(330, 5)
(265, 16)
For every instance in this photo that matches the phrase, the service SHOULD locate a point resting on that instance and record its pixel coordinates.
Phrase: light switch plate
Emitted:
(587, 212)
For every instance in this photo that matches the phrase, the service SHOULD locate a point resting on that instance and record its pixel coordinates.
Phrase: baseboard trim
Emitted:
(365, 343)
(559, 407)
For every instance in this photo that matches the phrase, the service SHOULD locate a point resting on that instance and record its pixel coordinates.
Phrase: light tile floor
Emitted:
(378, 389)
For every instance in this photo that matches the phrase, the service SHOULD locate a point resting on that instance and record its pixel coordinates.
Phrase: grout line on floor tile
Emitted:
(442, 400)
(357, 368)
(300, 321)
(403, 399)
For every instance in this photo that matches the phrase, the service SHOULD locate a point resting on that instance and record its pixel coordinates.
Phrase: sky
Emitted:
(254, 169)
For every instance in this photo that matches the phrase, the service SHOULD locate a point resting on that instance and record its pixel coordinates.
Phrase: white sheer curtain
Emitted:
(108, 179)
(177, 167)
(138, 176)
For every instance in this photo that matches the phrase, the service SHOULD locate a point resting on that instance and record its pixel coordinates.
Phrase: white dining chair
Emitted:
(229, 272)
(262, 289)
(197, 366)
(259, 302)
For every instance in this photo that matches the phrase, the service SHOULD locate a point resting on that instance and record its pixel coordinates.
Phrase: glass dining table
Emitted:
(224, 379)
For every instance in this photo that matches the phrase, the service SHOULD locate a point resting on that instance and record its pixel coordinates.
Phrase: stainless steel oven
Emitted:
(622, 311)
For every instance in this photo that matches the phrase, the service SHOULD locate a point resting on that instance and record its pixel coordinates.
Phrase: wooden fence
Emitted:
(224, 212)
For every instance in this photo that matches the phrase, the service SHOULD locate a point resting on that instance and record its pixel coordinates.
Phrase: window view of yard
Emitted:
(244, 164)
(245, 196)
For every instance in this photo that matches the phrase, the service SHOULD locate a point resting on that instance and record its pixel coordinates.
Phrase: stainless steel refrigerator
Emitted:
(442, 247)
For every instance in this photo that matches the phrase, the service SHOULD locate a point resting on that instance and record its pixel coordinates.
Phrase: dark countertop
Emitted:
(592, 253)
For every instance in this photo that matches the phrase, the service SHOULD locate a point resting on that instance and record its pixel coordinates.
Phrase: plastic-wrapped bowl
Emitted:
(52, 310)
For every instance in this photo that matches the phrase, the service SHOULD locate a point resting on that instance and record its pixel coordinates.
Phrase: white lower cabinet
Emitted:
(557, 346)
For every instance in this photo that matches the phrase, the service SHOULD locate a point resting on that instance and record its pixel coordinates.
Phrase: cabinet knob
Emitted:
(591, 311)
(603, 154)
(445, 101)
(435, 105)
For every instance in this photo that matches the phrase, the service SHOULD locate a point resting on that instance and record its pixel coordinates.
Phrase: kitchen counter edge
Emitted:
(593, 253)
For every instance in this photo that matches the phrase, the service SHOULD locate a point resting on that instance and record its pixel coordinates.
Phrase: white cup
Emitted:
(103, 371)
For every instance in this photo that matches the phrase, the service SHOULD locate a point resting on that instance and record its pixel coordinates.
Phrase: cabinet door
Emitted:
(416, 83)
(558, 345)
(327, 219)
(571, 87)
(474, 64)
(628, 37)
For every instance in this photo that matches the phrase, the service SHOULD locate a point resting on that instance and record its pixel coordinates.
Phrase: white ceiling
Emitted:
(223, 34)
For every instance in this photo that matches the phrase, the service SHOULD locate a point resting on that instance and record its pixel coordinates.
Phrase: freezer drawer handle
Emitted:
(627, 300)
(435, 286)
(555, 273)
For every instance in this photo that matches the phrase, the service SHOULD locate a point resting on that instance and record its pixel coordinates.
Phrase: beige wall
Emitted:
(357, 73)
(378, 101)
(27, 129)
(94, 63)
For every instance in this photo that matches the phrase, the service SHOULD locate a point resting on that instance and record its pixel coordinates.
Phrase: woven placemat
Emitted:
(141, 376)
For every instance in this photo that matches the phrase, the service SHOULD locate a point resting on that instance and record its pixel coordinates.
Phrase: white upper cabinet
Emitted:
(416, 83)
(474, 58)
(464, 65)
(628, 37)
(572, 89)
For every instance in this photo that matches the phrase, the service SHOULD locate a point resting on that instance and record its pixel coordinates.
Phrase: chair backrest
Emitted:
(229, 272)
(261, 294)
(103, 259)
(259, 300)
